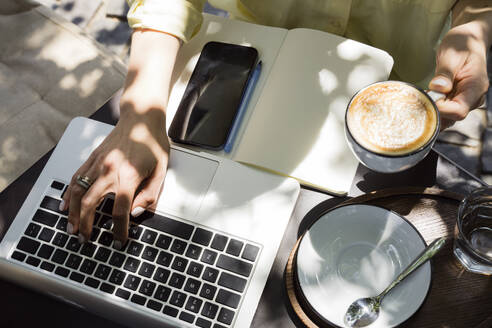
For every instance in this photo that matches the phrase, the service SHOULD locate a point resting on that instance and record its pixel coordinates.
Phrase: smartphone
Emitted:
(213, 95)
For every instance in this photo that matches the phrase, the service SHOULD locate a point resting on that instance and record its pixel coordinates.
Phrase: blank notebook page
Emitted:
(297, 127)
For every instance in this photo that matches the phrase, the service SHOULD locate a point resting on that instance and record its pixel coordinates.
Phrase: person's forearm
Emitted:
(477, 12)
(150, 68)
(131, 161)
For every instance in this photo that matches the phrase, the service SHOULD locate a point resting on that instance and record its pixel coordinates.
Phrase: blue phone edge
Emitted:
(242, 108)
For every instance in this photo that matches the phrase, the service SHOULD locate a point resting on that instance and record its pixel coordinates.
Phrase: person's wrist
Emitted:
(148, 128)
(480, 33)
(472, 35)
(476, 15)
(141, 100)
(149, 112)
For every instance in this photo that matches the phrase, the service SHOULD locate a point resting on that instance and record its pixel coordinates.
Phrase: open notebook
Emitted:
(294, 124)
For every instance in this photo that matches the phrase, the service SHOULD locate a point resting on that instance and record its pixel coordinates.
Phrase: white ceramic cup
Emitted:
(389, 163)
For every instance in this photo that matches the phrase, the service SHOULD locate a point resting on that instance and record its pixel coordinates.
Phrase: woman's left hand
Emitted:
(461, 72)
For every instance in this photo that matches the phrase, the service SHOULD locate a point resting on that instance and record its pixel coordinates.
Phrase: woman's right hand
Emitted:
(132, 161)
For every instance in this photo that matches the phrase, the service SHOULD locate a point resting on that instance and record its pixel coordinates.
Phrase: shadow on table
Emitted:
(452, 287)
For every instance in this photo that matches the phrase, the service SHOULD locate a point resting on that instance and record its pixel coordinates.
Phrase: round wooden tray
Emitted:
(456, 298)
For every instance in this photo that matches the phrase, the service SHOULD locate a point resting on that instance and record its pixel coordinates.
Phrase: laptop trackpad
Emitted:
(187, 181)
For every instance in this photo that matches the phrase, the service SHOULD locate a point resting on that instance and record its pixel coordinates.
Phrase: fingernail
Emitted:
(61, 207)
(117, 245)
(81, 238)
(69, 228)
(440, 82)
(137, 211)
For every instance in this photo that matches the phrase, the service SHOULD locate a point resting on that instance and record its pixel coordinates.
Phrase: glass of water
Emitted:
(473, 232)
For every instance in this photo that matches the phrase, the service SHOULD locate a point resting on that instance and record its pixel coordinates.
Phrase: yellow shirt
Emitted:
(408, 30)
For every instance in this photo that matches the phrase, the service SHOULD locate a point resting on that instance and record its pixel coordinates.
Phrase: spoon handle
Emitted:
(426, 254)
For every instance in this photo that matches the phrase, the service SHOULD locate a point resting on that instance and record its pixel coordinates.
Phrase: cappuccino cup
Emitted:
(391, 126)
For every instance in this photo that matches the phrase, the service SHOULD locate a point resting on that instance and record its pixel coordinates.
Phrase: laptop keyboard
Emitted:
(179, 269)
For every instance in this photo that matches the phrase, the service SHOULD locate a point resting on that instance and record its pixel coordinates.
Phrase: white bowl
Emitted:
(356, 251)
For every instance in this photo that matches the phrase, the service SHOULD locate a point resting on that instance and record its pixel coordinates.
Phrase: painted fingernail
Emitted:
(61, 207)
(117, 245)
(81, 238)
(440, 82)
(69, 228)
(137, 211)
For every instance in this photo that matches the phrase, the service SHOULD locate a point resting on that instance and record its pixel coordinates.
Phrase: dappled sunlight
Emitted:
(69, 81)
(72, 58)
(365, 266)
(356, 251)
(9, 150)
(345, 50)
(62, 74)
(361, 76)
(179, 87)
(8, 156)
(439, 226)
(89, 133)
(243, 211)
(337, 108)
(247, 43)
(219, 29)
(364, 70)
(300, 111)
(312, 260)
(184, 186)
(433, 213)
(39, 37)
(3, 184)
(213, 28)
(327, 80)
(88, 82)
(85, 153)
(264, 203)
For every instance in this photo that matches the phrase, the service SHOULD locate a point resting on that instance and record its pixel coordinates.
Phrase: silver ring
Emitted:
(84, 181)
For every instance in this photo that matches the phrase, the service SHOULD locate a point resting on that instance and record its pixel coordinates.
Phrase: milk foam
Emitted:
(391, 118)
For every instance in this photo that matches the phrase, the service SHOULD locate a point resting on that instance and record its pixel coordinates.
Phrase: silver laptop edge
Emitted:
(241, 201)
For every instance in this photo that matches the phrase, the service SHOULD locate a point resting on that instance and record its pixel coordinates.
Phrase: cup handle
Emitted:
(435, 95)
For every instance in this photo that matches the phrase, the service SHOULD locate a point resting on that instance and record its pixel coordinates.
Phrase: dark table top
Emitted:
(21, 307)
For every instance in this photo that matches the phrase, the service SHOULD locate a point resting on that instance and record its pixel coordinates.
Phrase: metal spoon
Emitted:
(365, 311)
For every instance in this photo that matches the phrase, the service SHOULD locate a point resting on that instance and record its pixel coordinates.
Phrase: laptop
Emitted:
(201, 259)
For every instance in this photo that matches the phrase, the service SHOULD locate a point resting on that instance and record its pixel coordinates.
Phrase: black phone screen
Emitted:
(213, 95)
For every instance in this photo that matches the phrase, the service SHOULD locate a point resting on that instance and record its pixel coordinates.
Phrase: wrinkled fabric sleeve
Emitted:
(181, 18)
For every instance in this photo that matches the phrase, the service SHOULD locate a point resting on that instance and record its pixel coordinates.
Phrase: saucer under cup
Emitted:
(356, 251)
